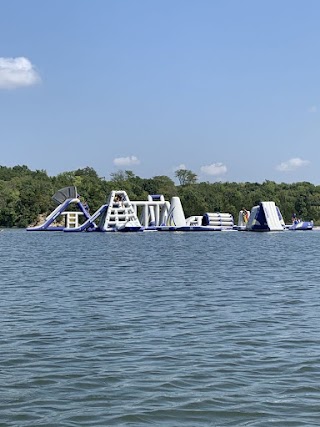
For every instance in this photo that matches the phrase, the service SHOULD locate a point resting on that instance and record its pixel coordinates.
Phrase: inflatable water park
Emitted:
(120, 214)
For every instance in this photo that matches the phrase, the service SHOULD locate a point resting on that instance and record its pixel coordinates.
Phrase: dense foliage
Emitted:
(24, 194)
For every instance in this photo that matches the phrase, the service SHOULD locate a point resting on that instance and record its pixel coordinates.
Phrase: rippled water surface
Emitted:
(164, 329)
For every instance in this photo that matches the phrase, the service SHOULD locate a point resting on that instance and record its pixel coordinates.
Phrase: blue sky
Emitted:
(228, 89)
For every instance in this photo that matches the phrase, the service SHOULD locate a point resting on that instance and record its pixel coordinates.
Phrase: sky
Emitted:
(227, 89)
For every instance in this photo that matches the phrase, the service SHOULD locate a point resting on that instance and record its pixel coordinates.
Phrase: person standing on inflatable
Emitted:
(245, 214)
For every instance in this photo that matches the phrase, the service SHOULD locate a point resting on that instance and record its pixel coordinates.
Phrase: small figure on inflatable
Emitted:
(294, 219)
(245, 215)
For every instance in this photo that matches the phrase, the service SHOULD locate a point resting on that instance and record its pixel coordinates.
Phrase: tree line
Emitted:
(25, 194)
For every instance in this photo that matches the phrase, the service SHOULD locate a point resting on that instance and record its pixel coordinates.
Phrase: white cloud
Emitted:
(292, 164)
(17, 72)
(313, 109)
(126, 161)
(214, 169)
(182, 166)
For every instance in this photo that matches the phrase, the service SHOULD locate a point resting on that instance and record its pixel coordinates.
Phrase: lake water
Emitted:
(163, 329)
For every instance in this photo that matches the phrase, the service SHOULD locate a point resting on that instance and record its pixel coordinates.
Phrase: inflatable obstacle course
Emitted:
(121, 214)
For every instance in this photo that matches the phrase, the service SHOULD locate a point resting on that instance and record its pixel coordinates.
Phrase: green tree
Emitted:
(186, 176)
